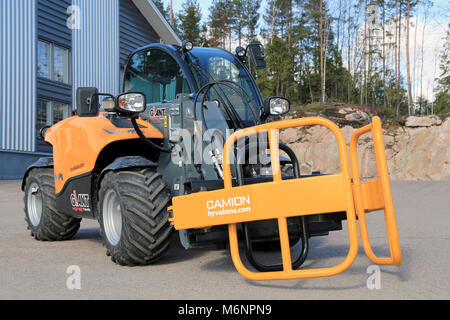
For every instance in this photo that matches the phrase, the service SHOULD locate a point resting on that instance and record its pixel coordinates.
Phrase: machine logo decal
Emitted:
(157, 113)
(232, 205)
(59, 177)
(79, 202)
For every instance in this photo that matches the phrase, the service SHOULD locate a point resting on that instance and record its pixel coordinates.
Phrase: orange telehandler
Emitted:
(189, 147)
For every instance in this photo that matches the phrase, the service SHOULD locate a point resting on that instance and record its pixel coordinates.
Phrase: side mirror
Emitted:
(131, 103)
(276, 106)
(256, 51)
(43, 131)
(87, 101)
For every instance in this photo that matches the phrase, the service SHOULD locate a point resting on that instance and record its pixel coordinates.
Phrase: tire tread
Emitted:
(54, 225)
(145, 227)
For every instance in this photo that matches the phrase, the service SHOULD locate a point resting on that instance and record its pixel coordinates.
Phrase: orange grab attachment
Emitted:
(375, 194)
(296, 197)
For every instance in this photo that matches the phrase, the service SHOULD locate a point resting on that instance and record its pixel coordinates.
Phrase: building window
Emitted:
(44, 54)
(50, 112)
(53, 62)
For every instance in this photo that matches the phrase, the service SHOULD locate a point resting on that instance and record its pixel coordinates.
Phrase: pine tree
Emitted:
(220, 23)
(442, 99)
(252, 13)
(159, 4)
(238, 18)
(409, 10)
(305, 44)
(189, 22)
(280, 52)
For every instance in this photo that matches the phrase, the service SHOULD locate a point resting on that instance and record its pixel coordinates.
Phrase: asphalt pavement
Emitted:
(32, 269)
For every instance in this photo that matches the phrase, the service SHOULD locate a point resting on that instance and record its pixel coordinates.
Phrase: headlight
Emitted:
(241, 52)
(131, 102)
(187, 45)
(276, 106)
(108, 104)
(279, 106)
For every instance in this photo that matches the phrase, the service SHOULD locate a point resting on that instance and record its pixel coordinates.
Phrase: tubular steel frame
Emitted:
(304, 196)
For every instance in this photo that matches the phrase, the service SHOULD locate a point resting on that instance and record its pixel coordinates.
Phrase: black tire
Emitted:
(287, 171)
(274, 245)
(52, 225)
(269, 245)
(145, 229)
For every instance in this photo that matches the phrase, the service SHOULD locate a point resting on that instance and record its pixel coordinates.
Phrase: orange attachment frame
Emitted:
(380, 189)
(294, 197)
(345, 184)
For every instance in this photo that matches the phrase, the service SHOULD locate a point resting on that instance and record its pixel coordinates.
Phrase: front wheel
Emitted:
(45, 222)
(133, 216)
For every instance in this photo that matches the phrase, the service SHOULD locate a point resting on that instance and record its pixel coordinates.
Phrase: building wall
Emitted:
(52, 28)
(52, 19)
(105, 34)
(95, 46)
(135, 31)
(17, 85)
(17, 75)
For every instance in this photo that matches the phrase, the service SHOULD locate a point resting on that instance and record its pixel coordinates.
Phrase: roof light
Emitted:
(241, 52)
(187, 45)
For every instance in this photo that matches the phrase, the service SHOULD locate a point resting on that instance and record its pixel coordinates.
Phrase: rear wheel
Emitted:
(133, 216)
(44, 221)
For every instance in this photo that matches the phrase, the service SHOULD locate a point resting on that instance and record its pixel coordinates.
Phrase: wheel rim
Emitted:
(34, 204)
(112, 217)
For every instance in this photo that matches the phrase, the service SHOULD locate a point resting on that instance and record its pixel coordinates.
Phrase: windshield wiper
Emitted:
(229, 109)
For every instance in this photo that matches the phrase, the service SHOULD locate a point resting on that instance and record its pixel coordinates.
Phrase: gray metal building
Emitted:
(51, 47)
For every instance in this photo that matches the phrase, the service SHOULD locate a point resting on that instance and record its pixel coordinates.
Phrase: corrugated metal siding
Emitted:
(95, 46)
(17, 74)
(55, 91)
(52, 22)
(52, 27)
(135, 31)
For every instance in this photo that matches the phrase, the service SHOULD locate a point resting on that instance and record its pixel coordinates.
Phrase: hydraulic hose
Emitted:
(150, 143)
(231, 112)
(227, 83)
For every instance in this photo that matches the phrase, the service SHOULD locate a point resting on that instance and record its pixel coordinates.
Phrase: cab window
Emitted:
(157, 75)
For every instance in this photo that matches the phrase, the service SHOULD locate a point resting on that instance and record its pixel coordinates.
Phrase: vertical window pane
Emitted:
(60, 111)
(226, 68)
(61, 64)
(43, 59)
(156, 74)
(43, 114)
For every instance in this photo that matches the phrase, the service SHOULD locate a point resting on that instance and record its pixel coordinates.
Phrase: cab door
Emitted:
(160, 77)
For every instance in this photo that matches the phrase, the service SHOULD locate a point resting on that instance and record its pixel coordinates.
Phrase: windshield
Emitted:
(214, 64)
(156, 74)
